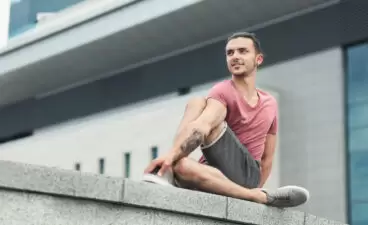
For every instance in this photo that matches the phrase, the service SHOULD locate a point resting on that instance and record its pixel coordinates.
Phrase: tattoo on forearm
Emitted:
(194, 140)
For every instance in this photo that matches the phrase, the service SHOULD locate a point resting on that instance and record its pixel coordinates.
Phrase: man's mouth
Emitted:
(236, 64)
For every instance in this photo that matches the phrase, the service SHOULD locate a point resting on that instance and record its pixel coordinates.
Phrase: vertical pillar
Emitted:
(4, 22)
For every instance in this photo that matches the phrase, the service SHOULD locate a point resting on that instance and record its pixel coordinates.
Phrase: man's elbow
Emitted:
(211, 118)
(201, 127)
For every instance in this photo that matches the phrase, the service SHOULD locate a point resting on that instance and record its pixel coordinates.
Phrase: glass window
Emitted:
(357, 132)
(154, 152)
(127, 164)
(77, 167)
(102, 165)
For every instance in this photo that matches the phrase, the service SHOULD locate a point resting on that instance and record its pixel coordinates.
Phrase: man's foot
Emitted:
(167, 179)
(287, 196)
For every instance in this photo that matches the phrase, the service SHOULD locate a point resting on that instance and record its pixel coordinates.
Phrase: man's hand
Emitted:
(163, 162)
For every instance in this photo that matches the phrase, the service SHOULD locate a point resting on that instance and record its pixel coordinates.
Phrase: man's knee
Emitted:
(182, 167)
(184, 174)
(196, 102)
(187, 170)
(190, 173)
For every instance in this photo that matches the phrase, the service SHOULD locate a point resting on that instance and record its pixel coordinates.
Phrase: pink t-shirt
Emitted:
(250, 124)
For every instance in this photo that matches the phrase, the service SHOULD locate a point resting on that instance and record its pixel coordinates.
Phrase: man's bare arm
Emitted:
(267, 158)
(194, 134)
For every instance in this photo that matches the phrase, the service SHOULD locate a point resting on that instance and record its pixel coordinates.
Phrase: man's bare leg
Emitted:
(206, 178)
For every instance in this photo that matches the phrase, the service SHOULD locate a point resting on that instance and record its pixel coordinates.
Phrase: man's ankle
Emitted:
(257, 195)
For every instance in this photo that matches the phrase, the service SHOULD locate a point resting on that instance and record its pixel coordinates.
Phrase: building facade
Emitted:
(316, 66)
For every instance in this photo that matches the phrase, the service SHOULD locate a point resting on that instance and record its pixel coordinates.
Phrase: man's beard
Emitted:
(249, 69)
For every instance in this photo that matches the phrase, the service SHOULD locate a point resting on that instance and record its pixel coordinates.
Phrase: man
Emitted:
(236, 127)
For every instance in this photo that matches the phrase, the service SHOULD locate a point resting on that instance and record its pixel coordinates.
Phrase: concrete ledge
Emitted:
(174, 199)
(59, 182)
(32, 194)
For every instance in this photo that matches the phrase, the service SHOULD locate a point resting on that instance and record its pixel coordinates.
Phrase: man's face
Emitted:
(242, 57)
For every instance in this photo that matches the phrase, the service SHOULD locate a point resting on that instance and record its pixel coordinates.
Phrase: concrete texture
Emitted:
(149, 195)
(45, 210)
(32, 194)
(239, 210)
(59, 182)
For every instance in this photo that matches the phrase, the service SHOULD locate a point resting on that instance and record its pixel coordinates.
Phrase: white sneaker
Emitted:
(167, 179)
(287, 196)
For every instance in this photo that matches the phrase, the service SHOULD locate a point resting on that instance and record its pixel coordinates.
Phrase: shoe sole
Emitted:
(151, 178)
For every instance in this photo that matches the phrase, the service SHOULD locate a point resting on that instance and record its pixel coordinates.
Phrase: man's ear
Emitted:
(259, 59)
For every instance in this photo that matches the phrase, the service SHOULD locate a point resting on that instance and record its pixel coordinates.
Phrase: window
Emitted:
(154, 152)
(127, 164)
(77, 167)
(102, 165)
(357, 132)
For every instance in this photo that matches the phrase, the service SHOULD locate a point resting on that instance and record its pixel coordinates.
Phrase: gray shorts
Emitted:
(233, 159)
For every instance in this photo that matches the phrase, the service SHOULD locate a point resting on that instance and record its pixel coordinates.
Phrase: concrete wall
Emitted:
(312, 148)
(40, 195)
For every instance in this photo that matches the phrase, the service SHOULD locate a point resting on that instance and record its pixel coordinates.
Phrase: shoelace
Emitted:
(284, 196)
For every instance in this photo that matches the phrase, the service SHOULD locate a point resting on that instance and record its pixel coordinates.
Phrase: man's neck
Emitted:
(246, 86)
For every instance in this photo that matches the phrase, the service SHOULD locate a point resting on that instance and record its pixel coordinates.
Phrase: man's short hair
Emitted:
(252, 36)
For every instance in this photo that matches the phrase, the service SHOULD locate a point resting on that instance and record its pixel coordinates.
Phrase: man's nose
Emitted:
(235, 58)
(236, 55)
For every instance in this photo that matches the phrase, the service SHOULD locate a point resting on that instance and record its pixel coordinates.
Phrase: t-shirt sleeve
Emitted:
(217, 92)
